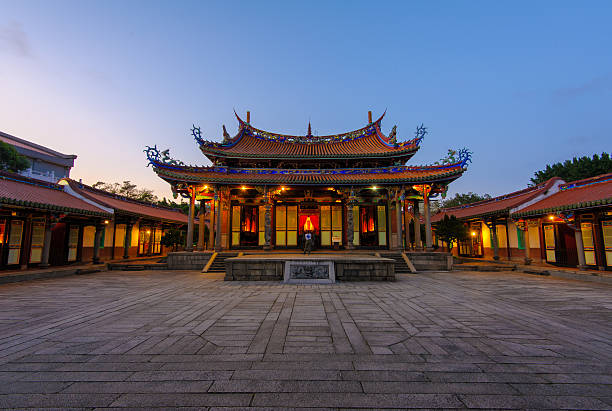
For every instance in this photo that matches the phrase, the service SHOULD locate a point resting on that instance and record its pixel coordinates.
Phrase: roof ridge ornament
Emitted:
(197, 134)
(393, 136)
(157, 158)
(420, 133)
(456, 157)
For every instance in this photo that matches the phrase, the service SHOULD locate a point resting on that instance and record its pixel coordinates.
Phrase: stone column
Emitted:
(350, 221)
(579, 247)
(97, 237)
(418, 244)
(201, 219)
(127, 243)
(44, 262)
(189, 241)
(398, 215)
(217, 222)
(428, 234)
(407, 224)
(267, 220)
(211, 226)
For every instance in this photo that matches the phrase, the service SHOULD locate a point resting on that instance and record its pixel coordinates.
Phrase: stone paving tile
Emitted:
(165, 400)
(358, 400)
(286, 386)
(121, 340)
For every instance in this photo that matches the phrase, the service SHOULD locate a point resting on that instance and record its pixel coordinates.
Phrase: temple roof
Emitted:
(500, 205)
(583, 194)
(16, 190)
(121, 204)
(381, 175)
(251, 142)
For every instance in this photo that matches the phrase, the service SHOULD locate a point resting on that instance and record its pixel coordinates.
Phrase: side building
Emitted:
(137, 226)
(46, 222)
(559, 223)
(45, 164)
(43, 223)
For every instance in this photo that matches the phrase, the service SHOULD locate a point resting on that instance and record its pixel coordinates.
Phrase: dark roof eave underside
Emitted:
(446, 177)
(51, 207)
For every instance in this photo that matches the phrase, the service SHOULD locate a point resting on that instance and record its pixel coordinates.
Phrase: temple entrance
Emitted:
(309, 223)
(368, 234)
(472, 246)
(245, 231)
(373, 226)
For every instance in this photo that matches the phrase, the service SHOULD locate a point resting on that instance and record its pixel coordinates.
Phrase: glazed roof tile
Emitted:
(251, 142)
(125, 205)
(383, 175)
(25, 192)
(582, 194)
(497, 205)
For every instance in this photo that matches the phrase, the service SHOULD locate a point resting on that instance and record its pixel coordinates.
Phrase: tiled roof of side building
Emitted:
(382, 175)
(21, 191)
(251, 142)
(123, 204)
(583, 194)
(497, 205)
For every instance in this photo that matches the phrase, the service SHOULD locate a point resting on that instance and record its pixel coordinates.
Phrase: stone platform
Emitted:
(277, 267)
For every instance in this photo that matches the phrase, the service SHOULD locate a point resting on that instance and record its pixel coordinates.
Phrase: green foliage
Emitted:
(183, 207)
(173, 238)
(575, 169)
(467, 198)
(11, 160)
(129, 190)
(449, 230)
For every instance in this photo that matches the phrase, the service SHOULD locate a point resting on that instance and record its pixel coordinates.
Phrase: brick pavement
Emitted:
(184, 339)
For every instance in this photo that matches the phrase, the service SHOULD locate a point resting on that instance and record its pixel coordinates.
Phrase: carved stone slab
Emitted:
(309, 272)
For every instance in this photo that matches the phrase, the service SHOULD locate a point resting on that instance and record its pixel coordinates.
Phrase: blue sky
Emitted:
(521, 84)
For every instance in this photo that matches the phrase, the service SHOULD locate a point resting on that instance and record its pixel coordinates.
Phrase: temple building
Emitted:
(46, 224)
(350, 190)
(557, 223)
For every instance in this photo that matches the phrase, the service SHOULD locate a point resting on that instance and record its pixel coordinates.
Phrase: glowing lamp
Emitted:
(106, 221)
(473, 233)
(374, 188)
(148, 231)
(551, 218)
(243, 188)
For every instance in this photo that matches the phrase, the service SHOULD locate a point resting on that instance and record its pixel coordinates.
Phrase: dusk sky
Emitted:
(521, 84)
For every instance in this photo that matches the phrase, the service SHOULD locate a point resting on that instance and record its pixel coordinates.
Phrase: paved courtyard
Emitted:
(185, 339)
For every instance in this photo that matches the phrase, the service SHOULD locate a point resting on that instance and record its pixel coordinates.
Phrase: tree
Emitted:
(127, 189)
(173, 238)
(449, 230)
(467, 198)
(184, 207)
(575, 169)
(11, 160)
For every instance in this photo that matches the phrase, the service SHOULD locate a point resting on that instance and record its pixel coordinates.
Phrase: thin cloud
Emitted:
(14, 39)
(594, 85)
